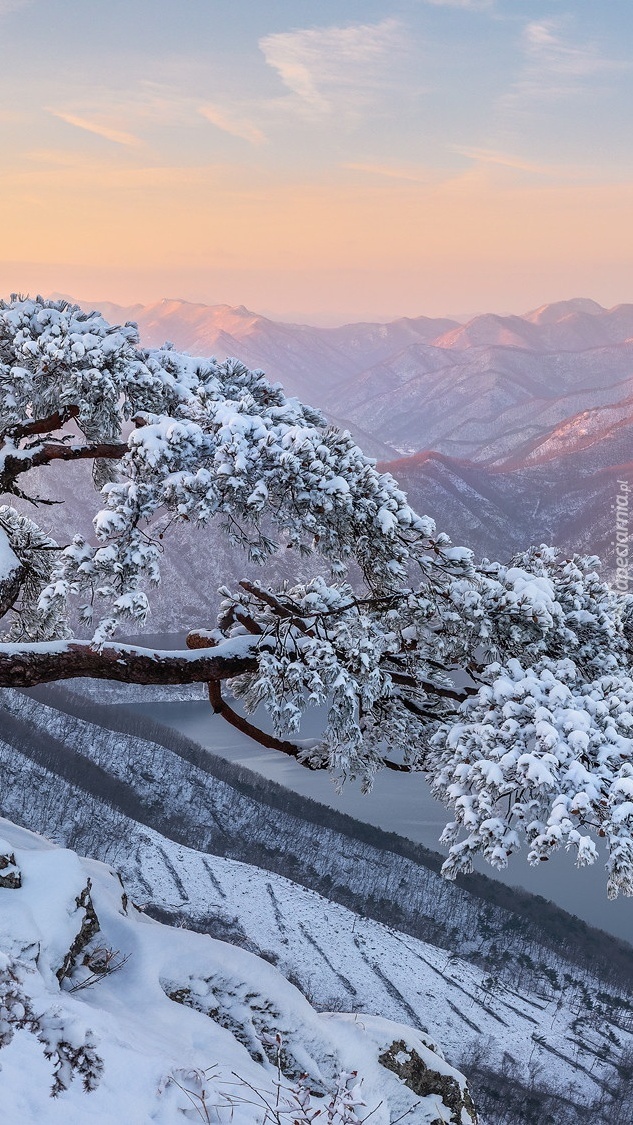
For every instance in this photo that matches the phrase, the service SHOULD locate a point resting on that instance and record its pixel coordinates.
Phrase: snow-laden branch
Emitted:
(53, 422)
(510, 685)
(15, 462)
(26, 665)
(12, 573)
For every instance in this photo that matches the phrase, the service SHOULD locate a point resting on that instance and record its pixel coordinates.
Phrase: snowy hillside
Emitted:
(385, 935)
(566, 499)
(108, 1016)
(344, 961)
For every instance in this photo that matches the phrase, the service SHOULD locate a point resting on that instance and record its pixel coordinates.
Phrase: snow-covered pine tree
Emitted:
(509, 685)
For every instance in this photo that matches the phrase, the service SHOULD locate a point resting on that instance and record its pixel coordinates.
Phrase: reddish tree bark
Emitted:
(39, 663)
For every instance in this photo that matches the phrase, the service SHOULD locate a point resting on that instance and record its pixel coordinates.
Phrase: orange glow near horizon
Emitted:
(460, 159)
(473, 242)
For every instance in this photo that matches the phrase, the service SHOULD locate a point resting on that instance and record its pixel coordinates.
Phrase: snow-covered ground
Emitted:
(346, 962)
(185, 1013)
(185, 1027)
(530, 1008)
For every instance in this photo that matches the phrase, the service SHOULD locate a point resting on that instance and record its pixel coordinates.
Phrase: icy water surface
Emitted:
(399, 803)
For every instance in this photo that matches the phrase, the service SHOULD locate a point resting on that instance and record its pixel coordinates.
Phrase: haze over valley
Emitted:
(508, 430)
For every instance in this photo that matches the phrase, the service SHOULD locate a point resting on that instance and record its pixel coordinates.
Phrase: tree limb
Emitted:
(295, 611)
(221, 707)
(43, 425)
(25, 665)
(44, 454)
(10, 586)
(270, 599)
(268, 741)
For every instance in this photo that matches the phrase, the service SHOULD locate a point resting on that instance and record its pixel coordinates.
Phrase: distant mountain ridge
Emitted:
(312, 363)
(529, 418)
(564, 326)
(547, 365)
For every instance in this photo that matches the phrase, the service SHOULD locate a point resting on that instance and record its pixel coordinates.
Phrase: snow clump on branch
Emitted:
(508, 684)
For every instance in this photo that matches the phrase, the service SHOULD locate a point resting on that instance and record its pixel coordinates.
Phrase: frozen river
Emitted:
(399, 803)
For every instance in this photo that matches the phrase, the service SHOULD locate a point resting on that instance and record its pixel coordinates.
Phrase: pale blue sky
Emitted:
(289, 152)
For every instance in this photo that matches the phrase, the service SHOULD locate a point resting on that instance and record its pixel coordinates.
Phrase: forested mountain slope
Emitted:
(176, 820)
(566, 498)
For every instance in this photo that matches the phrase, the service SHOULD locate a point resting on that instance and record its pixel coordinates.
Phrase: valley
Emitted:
(507, 430)
(349, 913)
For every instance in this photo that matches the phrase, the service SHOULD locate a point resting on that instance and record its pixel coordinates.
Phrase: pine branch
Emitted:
(10, 587)
(47, 425)
(268, 741)
(44, 454)
(25, 665)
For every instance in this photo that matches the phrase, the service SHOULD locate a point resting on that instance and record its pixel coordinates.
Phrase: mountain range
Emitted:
(507, 429)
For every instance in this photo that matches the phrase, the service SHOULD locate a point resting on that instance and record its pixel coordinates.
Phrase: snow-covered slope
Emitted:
(477, 975)
(344, 961)
(561, 489)
(109, 1016)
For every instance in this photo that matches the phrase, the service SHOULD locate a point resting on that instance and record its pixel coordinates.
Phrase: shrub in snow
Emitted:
(70, 1048)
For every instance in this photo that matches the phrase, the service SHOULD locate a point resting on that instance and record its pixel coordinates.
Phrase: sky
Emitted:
(330, 161)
